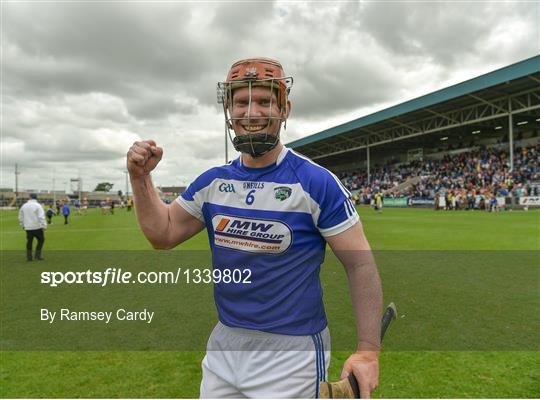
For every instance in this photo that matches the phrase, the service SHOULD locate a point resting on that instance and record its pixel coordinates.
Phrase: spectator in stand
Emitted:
(479, 169)
(449, 200)
(494, 205)
(470, 199)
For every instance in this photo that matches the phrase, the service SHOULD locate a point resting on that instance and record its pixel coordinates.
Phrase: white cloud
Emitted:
(85, 80)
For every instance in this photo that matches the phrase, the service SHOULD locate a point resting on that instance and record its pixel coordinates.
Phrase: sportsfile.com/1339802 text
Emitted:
(112, 276)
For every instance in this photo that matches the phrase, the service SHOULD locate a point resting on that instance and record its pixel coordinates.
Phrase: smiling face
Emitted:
(255, 104)
(260, 115)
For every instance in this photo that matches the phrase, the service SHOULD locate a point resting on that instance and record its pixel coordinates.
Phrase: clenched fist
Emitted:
(143, 157)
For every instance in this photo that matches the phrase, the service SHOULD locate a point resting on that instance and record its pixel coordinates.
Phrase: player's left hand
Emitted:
(365, 367)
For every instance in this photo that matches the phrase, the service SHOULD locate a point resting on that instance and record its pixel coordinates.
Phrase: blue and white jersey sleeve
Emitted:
(337, 212)
(193, 199)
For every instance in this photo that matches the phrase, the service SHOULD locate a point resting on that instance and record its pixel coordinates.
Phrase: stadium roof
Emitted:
(515, 89)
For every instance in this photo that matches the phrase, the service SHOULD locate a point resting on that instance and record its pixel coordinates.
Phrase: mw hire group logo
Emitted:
(251, 234)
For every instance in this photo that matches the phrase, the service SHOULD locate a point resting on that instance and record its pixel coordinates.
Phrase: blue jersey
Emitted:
(272, 221)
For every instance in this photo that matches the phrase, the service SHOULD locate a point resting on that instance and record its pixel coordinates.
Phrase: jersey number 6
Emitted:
(250, 198)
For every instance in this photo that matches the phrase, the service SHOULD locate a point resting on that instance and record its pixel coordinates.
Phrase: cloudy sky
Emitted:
(83, 80)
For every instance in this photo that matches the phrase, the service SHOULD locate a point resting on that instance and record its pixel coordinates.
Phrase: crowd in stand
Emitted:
(480, 173)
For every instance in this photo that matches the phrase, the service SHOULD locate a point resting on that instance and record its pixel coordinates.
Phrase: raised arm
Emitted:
(164, 225)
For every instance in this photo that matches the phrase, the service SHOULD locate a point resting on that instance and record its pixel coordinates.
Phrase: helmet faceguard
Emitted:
(251, 73)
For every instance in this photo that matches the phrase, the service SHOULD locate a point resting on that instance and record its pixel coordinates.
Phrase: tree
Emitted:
(104, 187)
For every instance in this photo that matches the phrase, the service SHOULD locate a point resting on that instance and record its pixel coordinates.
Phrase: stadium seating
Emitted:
(482, 170)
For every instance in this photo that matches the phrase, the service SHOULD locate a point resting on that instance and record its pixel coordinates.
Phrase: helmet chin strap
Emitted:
(255, 145)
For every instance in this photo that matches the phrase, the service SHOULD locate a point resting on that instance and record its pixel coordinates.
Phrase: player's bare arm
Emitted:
(164, 225)
(354, 252)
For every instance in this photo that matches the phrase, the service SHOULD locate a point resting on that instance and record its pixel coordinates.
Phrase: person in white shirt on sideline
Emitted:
(32, 219)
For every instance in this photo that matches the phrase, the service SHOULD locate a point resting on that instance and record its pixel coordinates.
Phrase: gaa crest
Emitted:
(282, 193)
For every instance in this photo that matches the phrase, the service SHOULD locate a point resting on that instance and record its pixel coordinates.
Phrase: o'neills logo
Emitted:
(250, 234)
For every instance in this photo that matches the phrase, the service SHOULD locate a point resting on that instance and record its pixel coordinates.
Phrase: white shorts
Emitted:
(244, 363)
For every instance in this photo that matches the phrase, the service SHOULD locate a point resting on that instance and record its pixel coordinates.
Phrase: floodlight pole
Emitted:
(16, 182)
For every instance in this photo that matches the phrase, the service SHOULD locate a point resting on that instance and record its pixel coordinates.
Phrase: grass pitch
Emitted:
(461, 267)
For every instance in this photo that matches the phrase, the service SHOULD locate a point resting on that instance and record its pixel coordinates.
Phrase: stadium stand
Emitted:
(480, 172)
(470, 145)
